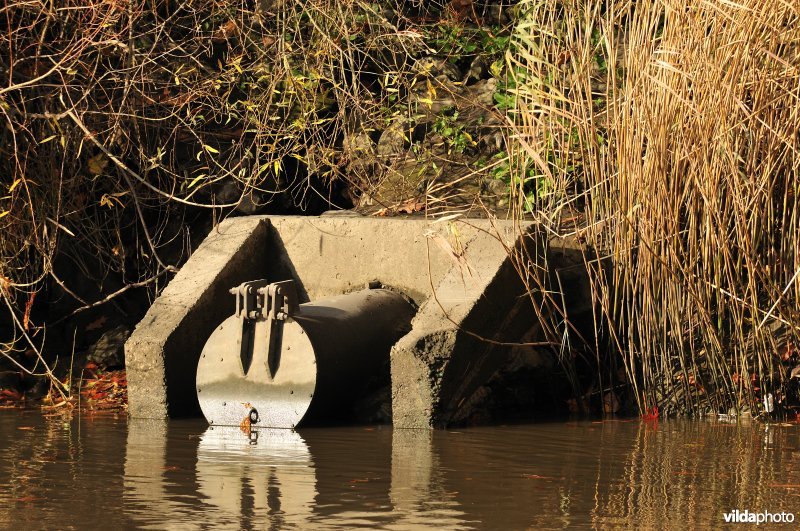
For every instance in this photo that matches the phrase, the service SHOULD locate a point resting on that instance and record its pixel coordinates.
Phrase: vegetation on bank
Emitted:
(671, 129)
(662, 134)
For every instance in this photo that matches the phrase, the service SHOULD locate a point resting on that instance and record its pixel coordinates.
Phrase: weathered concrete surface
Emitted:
(474, 302)
(458, 272)
(333, 255)
(485, 330)
(161, 354)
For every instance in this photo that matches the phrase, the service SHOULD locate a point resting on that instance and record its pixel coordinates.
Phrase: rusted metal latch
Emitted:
(274, 302)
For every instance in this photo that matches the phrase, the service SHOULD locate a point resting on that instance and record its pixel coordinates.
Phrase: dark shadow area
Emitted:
(505, 367)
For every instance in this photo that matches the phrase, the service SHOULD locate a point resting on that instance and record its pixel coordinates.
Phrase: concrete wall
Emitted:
(162, 352)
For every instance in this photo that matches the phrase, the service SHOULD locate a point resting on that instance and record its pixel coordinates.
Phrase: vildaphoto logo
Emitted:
(765, 517)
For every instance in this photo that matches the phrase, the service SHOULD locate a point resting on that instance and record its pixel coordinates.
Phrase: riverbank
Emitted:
(663, 135)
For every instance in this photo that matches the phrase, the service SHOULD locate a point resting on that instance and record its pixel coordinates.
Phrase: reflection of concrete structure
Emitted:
(418, 494)
(146, 489)
(599, 475)
(276, 479)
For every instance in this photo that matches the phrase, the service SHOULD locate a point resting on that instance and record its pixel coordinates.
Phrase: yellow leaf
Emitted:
(431, 90)
(210, 149)
(48, 139)
(4, 214)
(109, 200)
(196, 179)
(14, 185)
(496, 68)
(97, 164)
(276, 165)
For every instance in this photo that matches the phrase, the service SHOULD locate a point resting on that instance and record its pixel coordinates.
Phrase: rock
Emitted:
(481, 93)
(358, 145)
(498, 15)
(393, 141)
(248, 203)
(477, 69)
(108, 351)
(430, 66)
(251, 203)
(432, 96)
(359, 151)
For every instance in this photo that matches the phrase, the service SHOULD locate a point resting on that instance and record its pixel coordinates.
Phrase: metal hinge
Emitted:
(274, 302)
(260, 299)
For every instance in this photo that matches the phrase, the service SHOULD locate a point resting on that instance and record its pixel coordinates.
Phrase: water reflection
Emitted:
(146, 495)
(418, 492)
(279, 479)
(265, 473)
(84, 472)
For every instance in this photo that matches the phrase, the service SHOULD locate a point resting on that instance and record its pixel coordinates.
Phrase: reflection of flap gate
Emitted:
(276, 362)
(266, 472)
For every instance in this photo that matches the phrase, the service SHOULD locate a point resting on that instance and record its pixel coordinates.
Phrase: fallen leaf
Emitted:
(227, 30)
(25, 428)
(409, 207)
(11, 394)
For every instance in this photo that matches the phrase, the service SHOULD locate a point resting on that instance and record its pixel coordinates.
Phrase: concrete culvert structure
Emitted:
(275, 362)
(472, 308)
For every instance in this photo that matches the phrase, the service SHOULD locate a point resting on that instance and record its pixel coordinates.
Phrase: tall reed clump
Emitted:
(669, 129)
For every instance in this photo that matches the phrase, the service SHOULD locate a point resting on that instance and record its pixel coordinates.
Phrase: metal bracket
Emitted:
(274, 302)
(280, 300)
(261, 299)
(248, 305)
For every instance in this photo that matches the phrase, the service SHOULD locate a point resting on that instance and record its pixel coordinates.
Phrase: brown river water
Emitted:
(105, 472)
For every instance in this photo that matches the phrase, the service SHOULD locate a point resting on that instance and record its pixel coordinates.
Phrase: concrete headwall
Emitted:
(458, 273)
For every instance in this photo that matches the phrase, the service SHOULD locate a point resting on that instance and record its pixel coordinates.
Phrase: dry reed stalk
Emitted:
(672, 127)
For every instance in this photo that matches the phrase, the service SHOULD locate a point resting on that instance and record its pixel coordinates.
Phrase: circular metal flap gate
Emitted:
(274, 362)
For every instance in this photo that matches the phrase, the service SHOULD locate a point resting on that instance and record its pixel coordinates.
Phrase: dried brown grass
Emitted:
(122, 119)
(672, 127)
